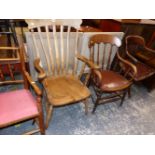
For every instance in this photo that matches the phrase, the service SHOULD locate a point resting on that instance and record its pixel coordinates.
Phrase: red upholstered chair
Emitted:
(18, 105)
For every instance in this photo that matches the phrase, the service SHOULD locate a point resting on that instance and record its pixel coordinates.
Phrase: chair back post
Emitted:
(23, 68)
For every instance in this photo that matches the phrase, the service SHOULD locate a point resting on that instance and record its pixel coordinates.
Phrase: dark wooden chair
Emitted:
(108, 84)
(17, 106)
(56, 49)
(141, 56)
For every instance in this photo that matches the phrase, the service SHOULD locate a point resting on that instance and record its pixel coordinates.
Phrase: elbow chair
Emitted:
(55, 46)
(141, 56)
(108, 84)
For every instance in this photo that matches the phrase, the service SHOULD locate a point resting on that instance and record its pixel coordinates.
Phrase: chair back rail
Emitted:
(56, 45)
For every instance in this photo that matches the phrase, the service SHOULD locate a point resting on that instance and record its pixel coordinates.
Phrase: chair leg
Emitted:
(41, 124)
(129, 92)
(48, 117)
(35, 121)
(95, 105)
(86, 106)
(123, 97)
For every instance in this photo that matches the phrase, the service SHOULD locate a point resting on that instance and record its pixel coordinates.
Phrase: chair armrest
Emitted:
(149, 49)
(33, 84)
(39, 69)
(129, 66)
(131, 57)
(97, 77)
(90, 63)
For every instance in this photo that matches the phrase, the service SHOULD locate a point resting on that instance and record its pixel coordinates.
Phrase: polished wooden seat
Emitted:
(65, 90)
(57, 62)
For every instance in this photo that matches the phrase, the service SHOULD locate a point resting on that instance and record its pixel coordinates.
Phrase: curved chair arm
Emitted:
(33, 84)
(39, 69)
(130, 56)
(97, 77)
(149, 49)
(90, 63)
(129, 66)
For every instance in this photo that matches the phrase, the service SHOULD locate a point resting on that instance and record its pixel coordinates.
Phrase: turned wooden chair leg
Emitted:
(41, 124)
(86, 106)
(35, 121)
(48, 117)
(123, 97)
(129, 92)
(47, 105)
(95, 106)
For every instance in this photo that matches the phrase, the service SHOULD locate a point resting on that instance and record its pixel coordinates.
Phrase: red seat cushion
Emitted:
(16, 106)
(112, 81)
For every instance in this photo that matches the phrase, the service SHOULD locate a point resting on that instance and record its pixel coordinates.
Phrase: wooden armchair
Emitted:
(55, 46)
(18, 105)
(141, 56)
(108, 84)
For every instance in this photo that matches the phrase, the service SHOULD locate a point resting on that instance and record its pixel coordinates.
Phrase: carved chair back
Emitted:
(103, 49)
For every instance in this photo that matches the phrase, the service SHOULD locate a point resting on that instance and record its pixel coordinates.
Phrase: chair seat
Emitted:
(143, 71)
(64, 90)
(111, 81)
(16, 106)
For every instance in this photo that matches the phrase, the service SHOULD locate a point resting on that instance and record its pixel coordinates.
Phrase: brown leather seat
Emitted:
(112, 81)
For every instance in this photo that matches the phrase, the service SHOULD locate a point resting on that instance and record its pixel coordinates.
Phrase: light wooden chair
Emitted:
(55, 46)
(17, 106)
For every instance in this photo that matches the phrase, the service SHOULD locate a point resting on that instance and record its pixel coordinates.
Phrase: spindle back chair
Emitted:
(108, 84)
(55, 46)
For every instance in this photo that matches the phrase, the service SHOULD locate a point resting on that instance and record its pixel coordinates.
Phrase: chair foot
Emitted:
(48, 117)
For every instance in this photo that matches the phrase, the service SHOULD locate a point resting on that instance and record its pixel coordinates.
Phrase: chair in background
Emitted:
(141, 56)
(108, 84)
(151, 42)
(17, 106)
(55, 46)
